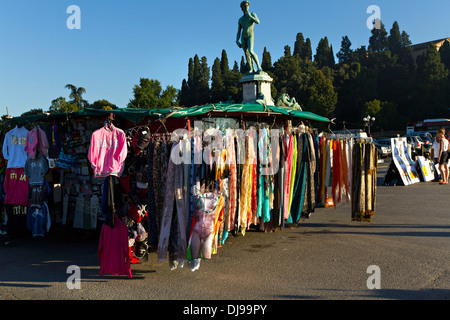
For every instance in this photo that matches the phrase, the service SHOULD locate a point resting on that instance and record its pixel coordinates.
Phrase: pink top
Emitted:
(113, 250)
(108, 151)
(16, 187)
(36, 142)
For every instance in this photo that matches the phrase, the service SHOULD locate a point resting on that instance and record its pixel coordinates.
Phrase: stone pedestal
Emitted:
(256, 85)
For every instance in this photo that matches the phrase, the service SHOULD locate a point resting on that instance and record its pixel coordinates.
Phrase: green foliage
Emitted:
(380, 79)
(60, 105)
(148, 94)
(345, 54)
(103, 105)
(196, 91)
(324, 56)
(32, 112)
(76, 94)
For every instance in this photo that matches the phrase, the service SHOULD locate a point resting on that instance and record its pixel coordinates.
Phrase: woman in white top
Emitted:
(435, 148)
(443, 155)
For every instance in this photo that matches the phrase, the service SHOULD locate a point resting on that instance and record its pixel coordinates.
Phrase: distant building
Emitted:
(421, 48)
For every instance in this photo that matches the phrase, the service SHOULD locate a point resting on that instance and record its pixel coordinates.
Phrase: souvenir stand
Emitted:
(177, 181)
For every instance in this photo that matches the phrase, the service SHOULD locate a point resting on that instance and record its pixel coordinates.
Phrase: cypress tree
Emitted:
(395, 39)
(266, 63)
(217, 82)
(444, 52)
(204, 90)
(324, 56)
(306, 52)
(299, 44)
(287, 51)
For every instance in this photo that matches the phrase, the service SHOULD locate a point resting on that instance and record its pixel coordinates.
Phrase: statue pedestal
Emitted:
(255, 86)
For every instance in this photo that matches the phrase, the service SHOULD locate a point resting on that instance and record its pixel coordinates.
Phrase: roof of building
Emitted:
(425, 45)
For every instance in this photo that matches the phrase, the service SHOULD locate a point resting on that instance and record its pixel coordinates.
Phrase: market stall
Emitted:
(153, 180)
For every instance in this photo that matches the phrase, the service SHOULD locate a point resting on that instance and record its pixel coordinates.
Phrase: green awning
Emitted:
(244, 108)
(138, 115)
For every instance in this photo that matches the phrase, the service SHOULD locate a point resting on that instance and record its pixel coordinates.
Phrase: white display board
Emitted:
(425, 167)
(402, 160)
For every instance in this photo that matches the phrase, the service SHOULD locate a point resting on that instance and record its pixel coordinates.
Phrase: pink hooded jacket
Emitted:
(108, 151)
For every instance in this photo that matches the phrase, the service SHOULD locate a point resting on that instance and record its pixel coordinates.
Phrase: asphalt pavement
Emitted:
(403, 254)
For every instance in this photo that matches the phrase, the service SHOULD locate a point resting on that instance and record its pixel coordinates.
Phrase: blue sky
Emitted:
(121, 41)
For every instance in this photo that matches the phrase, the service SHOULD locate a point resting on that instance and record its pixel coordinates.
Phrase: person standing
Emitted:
(443, 155)
(435, 147)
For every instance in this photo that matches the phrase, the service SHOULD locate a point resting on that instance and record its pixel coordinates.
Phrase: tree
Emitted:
(224, 65)
(444, 52)
(322, 96)
(203, 83)
(345, 54)
(378, 41)
(103, 105)
(243, 66)
(32, 112)
(148, 94)
(430, 69)
(399, 45)
(186, 93)
(266, 63)
(306, 52)
(301, 79)
(429, 92)
(299, 44)
(386, 114)
(218, 91)
(76, 94)
(60, 105)
(324, 56)
(287, 51)
(395, 39)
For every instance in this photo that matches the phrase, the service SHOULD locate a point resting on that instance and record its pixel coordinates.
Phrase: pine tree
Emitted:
(378, 42)
(345, 54)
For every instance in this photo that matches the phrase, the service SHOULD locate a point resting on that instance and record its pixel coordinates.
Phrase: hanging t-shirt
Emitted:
(108, 151)
(14, 147)
(16, 187)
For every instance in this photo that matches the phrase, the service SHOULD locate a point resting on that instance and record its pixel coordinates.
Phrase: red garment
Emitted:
(113, 251)
(16, 187)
